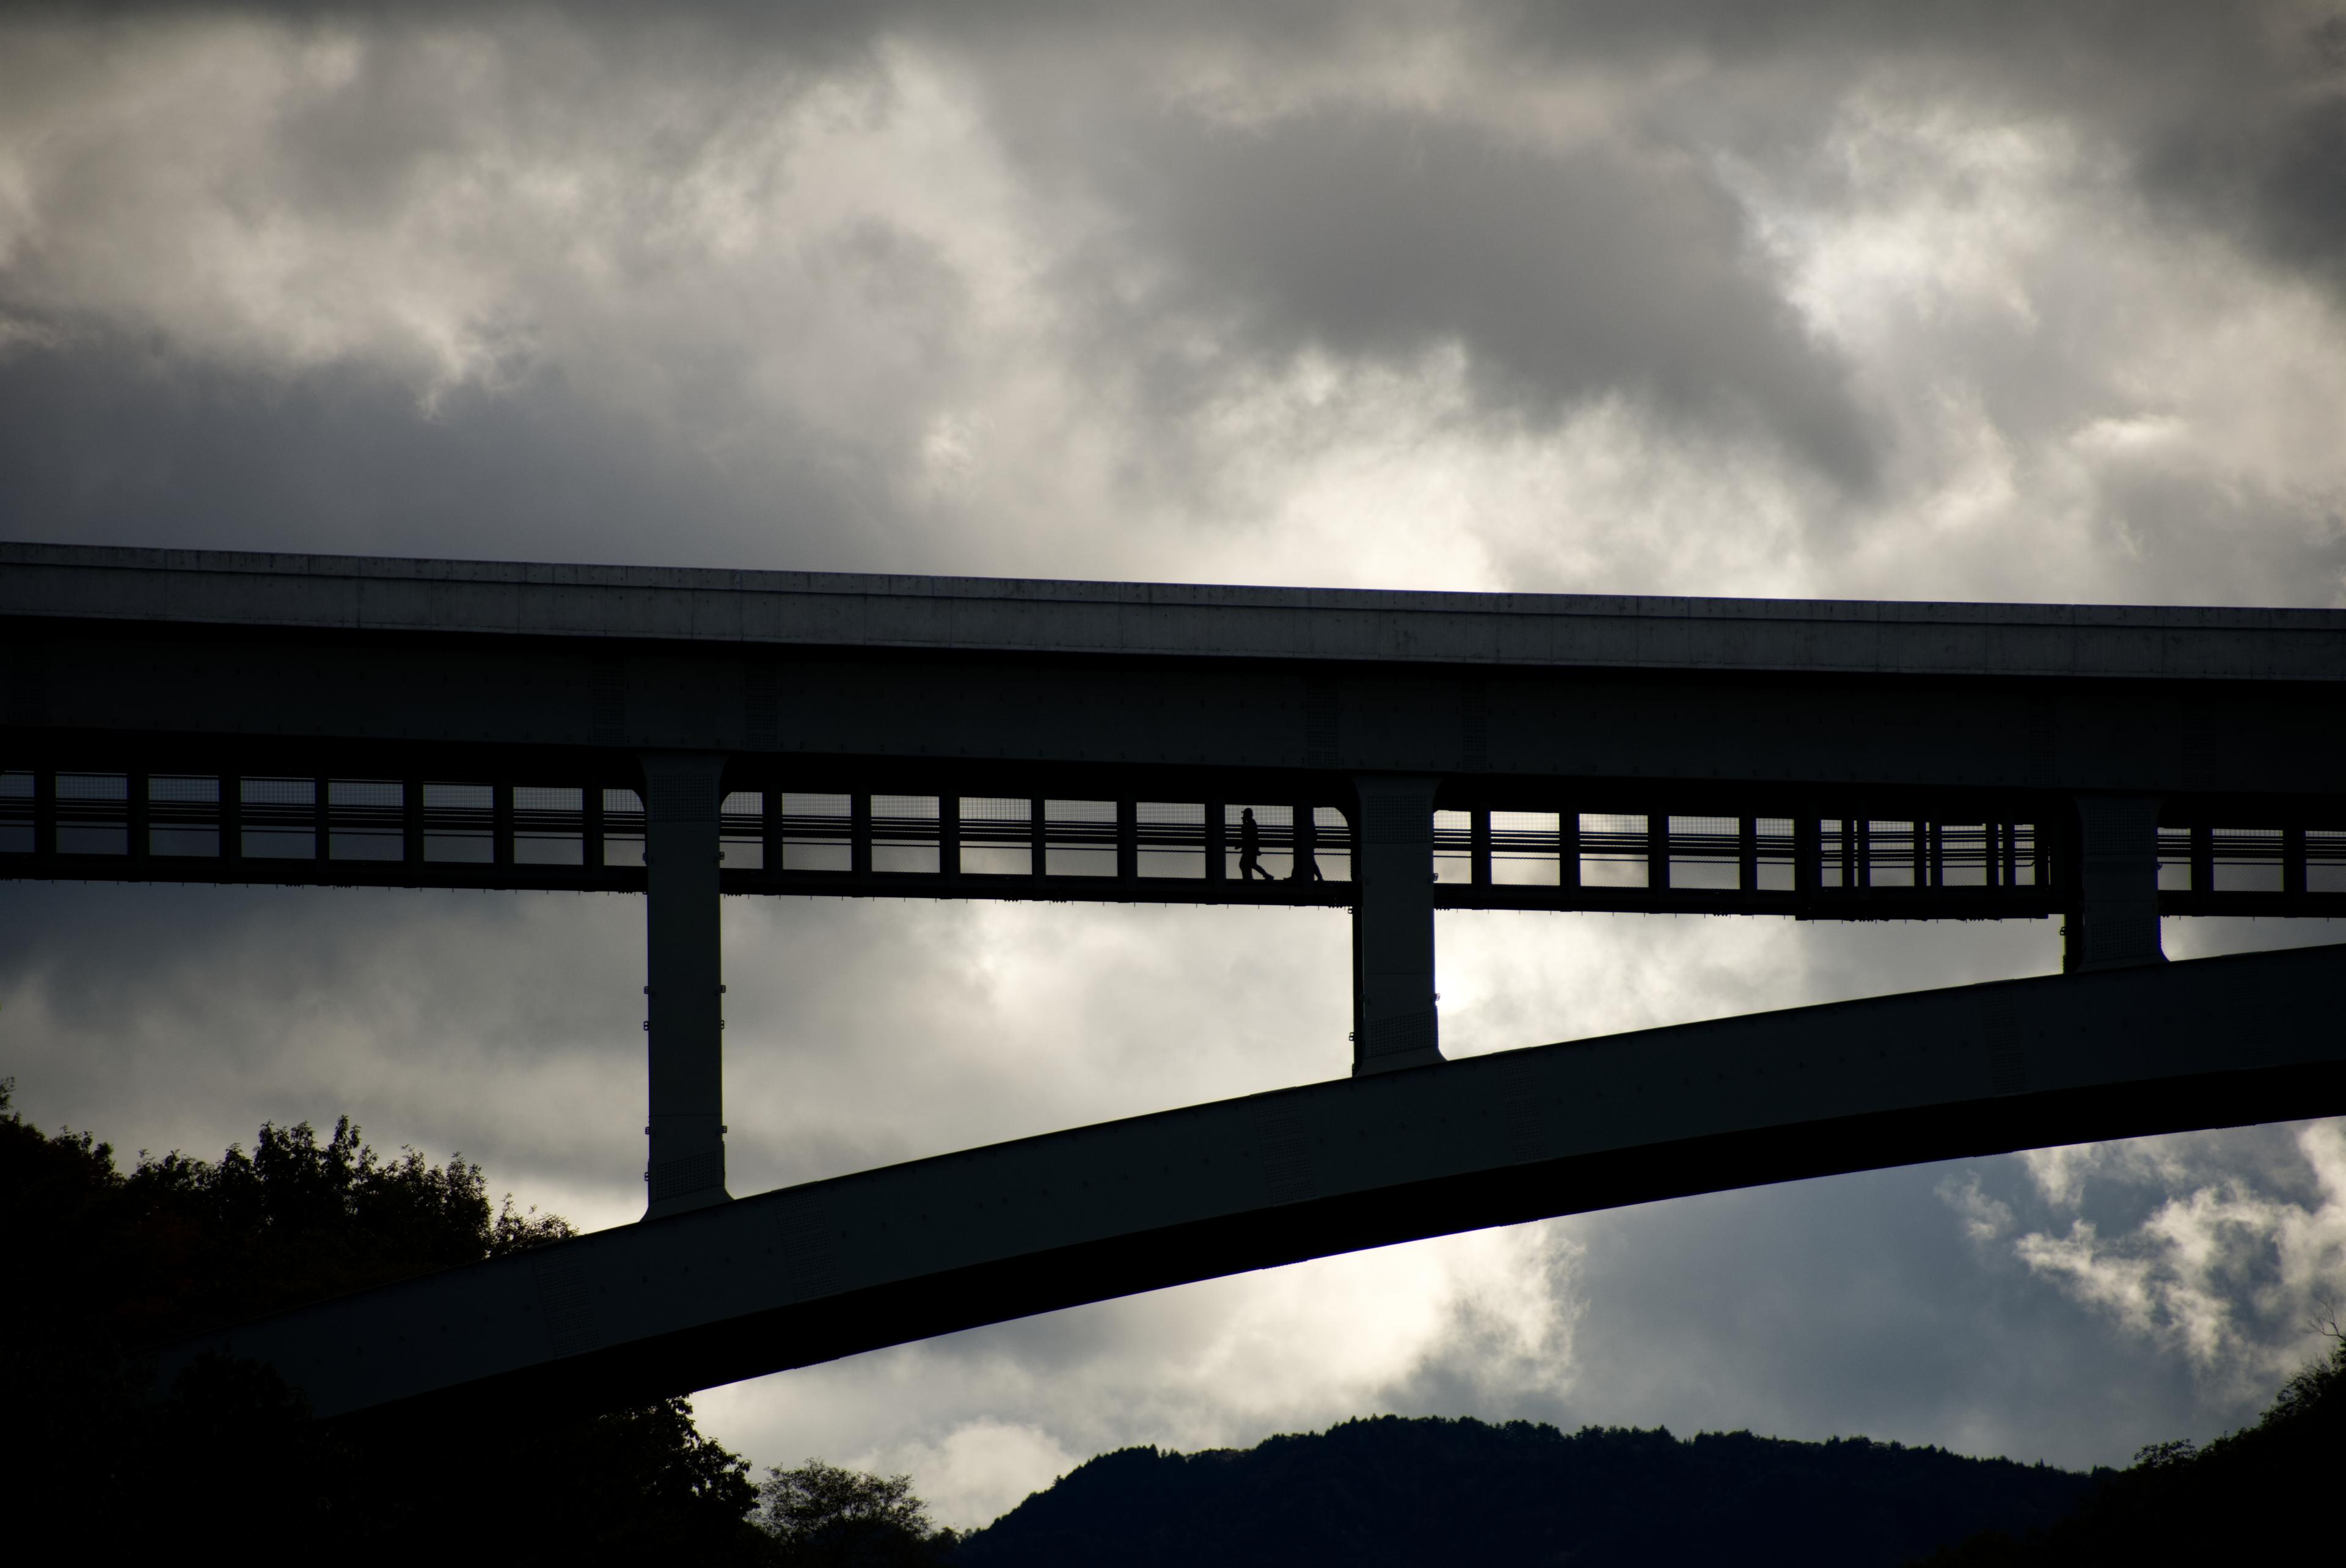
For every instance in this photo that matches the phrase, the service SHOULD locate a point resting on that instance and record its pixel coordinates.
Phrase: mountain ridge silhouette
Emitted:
(1391, 1489)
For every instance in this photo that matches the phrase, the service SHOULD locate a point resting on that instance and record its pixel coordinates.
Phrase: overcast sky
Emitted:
(1986, 301)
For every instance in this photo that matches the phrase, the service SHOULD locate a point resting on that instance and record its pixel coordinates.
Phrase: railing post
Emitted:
(685, 1009)
(45, 813)
(411, 821)
(140, 813)
(2112, 885)
(949, 835)
(1396, 1018)
(232, 819)
(501, 823)
(590, 825)
(771, 829)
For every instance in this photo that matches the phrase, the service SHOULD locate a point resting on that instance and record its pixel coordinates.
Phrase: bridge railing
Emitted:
(283, 827)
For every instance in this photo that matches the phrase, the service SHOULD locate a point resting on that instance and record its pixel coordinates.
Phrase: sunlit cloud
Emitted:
(2224, 1269)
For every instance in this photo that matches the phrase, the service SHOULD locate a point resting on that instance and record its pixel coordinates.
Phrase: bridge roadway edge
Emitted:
(813, 1273)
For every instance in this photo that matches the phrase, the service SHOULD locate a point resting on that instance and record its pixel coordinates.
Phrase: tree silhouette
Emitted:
(821, 1514)
(102, 1265)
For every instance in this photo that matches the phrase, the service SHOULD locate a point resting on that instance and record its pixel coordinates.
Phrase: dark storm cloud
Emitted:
(2275, 175)
(1843, 1307)
(182, 1017)
(106, 442)
(2194, 526)
(510, 216)
(2232, 105)
(1385, 234)
(2230, 112)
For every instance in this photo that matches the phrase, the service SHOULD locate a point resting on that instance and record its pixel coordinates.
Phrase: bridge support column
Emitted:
(685, 1008)
(2113, 884)
(1396, 1022)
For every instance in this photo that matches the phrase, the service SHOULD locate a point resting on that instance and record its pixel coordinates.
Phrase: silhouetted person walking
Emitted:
(1250, 848)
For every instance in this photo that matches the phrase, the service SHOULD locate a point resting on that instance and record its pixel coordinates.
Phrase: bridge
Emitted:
(686, 735)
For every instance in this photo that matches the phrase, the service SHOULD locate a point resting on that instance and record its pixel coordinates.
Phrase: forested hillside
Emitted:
(2265, 1494)
(1413, 1492)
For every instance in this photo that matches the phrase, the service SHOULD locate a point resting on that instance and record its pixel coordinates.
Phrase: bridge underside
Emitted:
(812, 1273)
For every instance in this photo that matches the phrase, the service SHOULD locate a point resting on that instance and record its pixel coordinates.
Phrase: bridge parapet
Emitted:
(1889, 856)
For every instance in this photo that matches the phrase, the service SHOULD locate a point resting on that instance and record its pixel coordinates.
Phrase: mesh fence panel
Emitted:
(742, 829)
(816, 830)
(93, 814)
(1079, 837)
(458, 820)
(16, 813)
(623, 828)
(2325, 860)
(368, 819)
(93, 786)
(1612, 849)
(904, 834)
(1172, 837)
(997, 835)
(548, 825)
(279, 818)
(1453, 843)
(183, 814)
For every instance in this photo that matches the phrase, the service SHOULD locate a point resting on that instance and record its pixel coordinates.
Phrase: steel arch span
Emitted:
(810, 1272)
